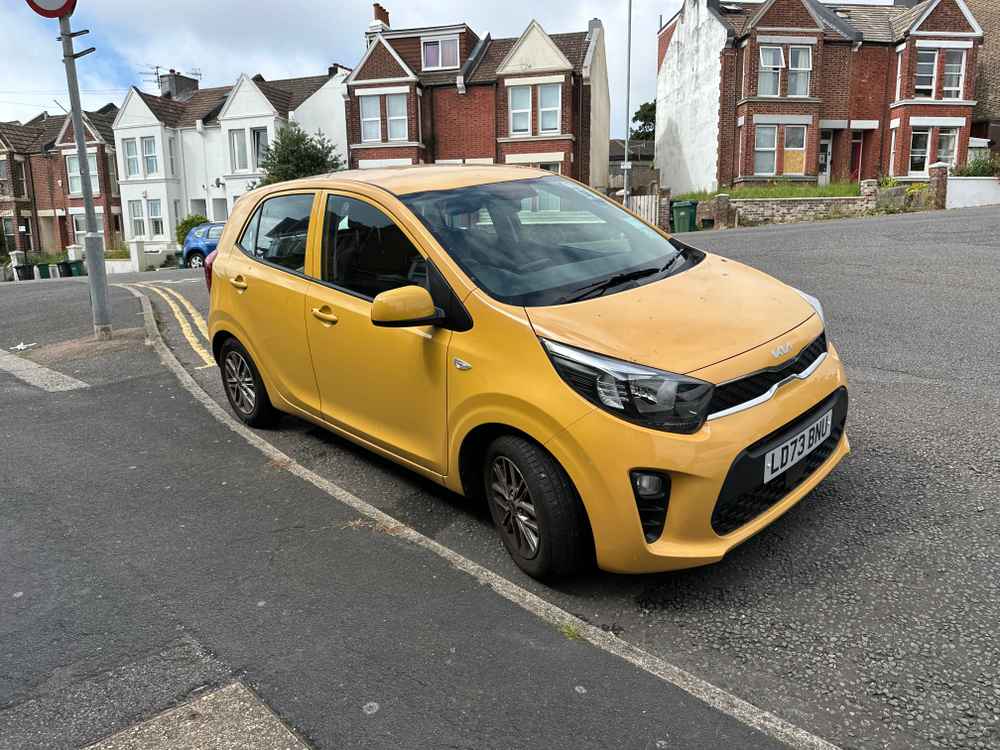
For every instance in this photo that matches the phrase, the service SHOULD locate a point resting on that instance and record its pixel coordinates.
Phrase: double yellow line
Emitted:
(172, 297)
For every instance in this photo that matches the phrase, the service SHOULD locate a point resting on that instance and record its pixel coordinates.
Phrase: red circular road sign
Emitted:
(52, 8)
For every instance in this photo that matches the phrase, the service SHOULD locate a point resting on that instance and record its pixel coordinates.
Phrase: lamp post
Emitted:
(627, 164)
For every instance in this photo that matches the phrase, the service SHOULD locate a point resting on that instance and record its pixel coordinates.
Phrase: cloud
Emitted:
(224, 38)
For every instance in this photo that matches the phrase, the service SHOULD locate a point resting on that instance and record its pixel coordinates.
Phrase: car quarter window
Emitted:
(278, 231)
(365, 252)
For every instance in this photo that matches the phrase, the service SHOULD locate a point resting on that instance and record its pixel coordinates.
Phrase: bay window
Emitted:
(954, 73)
(73, 173)
(765, 150)
(395, 107)
(172, 155)
(149, 157)
(80, 226)
(899, 75)
(549, 107)
(520, 110)
(440, 53)
(20, 185)
(772, 60)
(238, 150)
(926, 73)
(795, 149)
(918, 151)
(132, 168)
(947, 146)
(799, 70)
(154, 212)
(138, 220)
(371, 118)
(258, 140)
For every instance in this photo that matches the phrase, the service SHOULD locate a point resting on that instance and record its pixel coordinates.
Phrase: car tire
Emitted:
(244, 387)
(546, 504)
(195, 260)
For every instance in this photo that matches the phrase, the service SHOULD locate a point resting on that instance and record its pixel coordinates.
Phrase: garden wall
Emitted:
(964, 192)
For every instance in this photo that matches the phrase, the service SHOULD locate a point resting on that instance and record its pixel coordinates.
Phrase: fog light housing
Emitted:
(652, 495)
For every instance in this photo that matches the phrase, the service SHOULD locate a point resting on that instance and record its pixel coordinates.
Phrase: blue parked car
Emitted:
(200, 241)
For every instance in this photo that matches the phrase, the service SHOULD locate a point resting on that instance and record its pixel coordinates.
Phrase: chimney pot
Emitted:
(380, 14)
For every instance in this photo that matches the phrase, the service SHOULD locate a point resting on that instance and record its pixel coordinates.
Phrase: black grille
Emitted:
(744, 496)
(745, 389)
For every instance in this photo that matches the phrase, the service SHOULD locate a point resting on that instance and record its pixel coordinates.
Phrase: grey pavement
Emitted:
(868, 614)
(148, 554)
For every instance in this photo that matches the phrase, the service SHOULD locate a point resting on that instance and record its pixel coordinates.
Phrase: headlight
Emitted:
(815, 303)
(648, 397)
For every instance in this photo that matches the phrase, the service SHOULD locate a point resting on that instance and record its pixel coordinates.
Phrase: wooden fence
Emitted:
(646, 206)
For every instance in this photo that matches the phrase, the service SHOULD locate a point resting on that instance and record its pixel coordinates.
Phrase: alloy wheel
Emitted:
(516, 512)
(196, 261)
(240, 385)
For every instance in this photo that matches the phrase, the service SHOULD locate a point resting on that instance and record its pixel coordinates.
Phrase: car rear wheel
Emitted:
(244, 386)
(196, 260)
(535, 508)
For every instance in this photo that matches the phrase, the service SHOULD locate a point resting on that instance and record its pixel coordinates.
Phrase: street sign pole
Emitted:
(100, 301)
(628, 115)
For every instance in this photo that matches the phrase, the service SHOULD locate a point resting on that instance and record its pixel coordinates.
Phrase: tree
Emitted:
(645, 117)
(188, 223)
(296, 154)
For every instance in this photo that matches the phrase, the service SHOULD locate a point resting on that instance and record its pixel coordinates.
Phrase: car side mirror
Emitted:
(404, 307)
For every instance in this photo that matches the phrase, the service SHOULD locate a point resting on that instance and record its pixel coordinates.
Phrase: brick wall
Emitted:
(381, 64)
(987, 13)
(728, 147)
(788, 14)
(464, 125)
(947, 16)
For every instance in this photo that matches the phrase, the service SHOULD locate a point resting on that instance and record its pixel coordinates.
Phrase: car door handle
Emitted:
(238, 282)
(324, 314)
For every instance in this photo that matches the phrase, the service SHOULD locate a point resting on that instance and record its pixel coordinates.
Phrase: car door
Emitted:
(384, 385)
(269, 293)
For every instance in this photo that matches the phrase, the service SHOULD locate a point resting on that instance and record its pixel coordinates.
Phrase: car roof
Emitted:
(419, 178)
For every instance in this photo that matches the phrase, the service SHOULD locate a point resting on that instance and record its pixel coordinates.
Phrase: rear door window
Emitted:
(278, 232)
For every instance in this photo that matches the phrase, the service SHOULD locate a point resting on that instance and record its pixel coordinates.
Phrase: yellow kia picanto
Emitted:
(511, 334)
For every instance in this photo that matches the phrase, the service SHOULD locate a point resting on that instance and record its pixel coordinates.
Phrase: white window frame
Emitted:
(792, 71)
(132, 157)
(172, 155)
(390, 118)
(439, 41)
(238, 159)
(80, 225)
(953, 134)
(773, 149)
(149, 154)
(512, 111)
(137, 219)
(960, 90)
(155, 219)
(377, 119)
(762, 68)
(916, 76)
(785, 147)
(113, 174)
(95, 182)
(899, 75)
(258, 152)
(927, 152)
(892, 153)
(542, 110)
(739, 151)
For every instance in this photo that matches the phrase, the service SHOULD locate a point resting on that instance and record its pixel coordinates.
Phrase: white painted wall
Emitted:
(600, 116)
(324, 112)
(687, 102)
(964, 192)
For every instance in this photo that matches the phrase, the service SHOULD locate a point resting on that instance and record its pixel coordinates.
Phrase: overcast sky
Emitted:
(279, 39)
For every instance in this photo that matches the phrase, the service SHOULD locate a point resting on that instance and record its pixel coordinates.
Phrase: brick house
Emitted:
(813, 92)
(986, 116)
(41, 196)
(444, 94)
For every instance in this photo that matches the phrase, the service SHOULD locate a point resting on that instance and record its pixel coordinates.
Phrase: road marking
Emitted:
(195, 315)
(181, 320)
(35, 374)
(763, 721)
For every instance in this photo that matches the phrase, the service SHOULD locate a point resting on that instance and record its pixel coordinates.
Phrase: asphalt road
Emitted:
(866, 615)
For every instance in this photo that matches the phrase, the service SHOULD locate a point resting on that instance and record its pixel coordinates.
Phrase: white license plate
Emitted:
(797, 447)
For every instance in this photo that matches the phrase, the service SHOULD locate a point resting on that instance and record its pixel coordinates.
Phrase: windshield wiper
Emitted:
(670, 263)
(600, 287)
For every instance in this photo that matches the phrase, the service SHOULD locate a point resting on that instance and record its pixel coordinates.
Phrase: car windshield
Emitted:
(546, 241)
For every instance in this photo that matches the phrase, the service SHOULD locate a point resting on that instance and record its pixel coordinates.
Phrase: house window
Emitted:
(918, 151)
(177, 211)
(20, 179)
(926, 74)
(73, 173)
(80, 226)
(153, 210)
(113, 174)
(799, 70)
(238, 149)
(441, 53)
(765, 146)
(395, 106)
(371, 119)
(138, 222)
(947, 148)
(899, 75)
(892, 155)
(172, 155)
(149, 159)
(772, 60)
(954, 73)
(132, 168)
(739, 152)
(7, 241)
(549, 107)
(520, 110)
(795, 149)
(258, 140)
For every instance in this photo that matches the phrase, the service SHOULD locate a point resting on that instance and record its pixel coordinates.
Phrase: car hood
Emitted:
(716, 310)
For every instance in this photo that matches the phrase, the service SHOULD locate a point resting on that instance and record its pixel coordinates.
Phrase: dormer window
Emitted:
(440, 53)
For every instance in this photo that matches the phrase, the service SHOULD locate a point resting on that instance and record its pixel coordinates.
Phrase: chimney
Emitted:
(174, 85)
(380, 19)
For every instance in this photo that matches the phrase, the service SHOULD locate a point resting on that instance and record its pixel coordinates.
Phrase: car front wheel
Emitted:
(196, 260)
(535, 508)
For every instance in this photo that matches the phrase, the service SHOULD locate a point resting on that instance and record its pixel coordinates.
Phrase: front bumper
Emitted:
(600, 450)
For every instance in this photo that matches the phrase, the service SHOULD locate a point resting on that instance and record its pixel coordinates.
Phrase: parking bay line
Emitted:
(721, 700)
(37, 375)
(182, 321)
